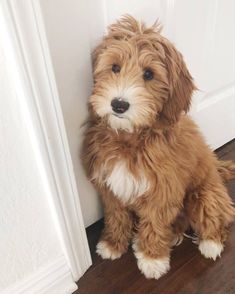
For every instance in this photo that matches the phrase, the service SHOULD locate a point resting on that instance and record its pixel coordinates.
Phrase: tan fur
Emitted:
(226, 169)
(164, 145)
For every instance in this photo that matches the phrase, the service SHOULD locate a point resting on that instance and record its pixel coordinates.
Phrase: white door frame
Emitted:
(32, 71)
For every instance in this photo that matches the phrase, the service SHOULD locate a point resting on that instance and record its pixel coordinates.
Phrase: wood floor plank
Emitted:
(190, 273)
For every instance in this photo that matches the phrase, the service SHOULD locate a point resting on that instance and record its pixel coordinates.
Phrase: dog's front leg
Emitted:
(153, 240)
(117, 232)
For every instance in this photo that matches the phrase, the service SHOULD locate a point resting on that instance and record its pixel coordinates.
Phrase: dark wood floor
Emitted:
(190, 273)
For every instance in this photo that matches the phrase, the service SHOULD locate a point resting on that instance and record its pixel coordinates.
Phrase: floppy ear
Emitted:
(181, 85)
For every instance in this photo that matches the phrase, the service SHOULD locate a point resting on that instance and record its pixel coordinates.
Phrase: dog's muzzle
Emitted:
(119, 105)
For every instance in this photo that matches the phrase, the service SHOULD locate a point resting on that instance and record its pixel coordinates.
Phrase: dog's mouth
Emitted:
(120, 121)
(119, 115)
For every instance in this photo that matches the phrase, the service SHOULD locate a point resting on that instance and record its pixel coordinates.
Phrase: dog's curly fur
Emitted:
(151, 166)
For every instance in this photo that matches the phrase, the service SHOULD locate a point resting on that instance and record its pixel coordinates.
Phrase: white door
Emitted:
(204, 31)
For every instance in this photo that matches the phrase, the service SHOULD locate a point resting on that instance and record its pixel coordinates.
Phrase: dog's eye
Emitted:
(148, 75)
(116, 68)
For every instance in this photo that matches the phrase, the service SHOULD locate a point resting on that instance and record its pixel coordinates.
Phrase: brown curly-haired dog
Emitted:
(146, 157)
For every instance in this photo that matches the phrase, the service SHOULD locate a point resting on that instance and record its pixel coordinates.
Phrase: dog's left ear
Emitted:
(181, 85)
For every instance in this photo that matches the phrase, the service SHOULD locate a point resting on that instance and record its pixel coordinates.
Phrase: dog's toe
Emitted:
(106, 252)
(177, 240)
(210, 249)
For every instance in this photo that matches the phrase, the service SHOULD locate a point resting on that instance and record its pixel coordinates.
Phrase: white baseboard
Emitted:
(55, 278)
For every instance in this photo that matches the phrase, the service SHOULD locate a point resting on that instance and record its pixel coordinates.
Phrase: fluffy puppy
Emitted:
(146, 157)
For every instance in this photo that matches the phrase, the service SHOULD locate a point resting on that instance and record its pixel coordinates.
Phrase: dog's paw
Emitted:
(104, 250)
(210, 248)
(152, 268)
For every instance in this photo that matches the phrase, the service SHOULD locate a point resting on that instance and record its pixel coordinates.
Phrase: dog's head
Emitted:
(139, 78)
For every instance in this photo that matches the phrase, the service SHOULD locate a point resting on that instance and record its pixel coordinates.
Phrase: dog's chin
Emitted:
(120, 122)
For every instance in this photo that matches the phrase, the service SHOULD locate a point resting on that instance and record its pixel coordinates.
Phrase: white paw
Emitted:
(210, 248)
(152, 268)
(104, 250)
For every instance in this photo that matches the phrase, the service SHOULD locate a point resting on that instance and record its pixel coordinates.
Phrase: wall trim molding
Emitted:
(216, 96)
(54, 278)
(31, 68)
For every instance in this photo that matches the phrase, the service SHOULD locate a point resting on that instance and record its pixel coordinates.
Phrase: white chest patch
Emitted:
(124, 185)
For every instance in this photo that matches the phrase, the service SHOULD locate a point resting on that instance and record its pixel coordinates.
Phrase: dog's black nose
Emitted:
(119, 105)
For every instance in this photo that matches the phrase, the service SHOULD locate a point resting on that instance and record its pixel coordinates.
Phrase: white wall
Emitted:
(68, 33)
(28, 238)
